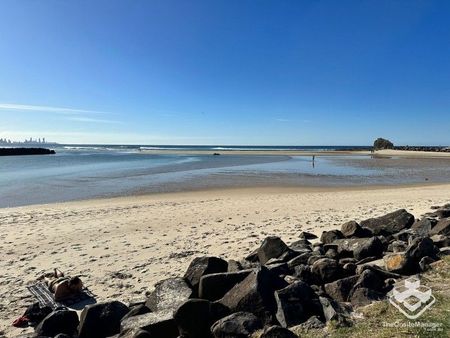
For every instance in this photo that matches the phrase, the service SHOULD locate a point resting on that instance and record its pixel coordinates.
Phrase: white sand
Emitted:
(137, 235)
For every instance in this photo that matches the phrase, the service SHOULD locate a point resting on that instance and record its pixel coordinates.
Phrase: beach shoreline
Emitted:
(148, 238)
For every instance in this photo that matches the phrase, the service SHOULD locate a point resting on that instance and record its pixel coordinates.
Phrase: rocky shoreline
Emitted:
(25, 151)
(276, 289)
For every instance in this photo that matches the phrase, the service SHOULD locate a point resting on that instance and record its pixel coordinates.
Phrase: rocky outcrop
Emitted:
(381, 143)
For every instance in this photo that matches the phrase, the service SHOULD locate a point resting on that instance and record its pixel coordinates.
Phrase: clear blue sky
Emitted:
(225, 71)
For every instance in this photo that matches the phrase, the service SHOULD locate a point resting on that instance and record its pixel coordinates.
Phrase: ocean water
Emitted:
(81, 172)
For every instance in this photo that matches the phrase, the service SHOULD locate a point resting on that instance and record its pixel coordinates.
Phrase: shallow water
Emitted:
(88, 172)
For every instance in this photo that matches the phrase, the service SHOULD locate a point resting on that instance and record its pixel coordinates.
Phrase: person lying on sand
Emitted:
(61, 286)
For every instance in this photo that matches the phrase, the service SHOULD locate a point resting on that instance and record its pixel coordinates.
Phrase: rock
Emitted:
(425, 262)
(277, 332)
(421, 247)
(441, 228)
(169, 294)
(295, 303)
(340, 290)
(335, 311)
(279, 269)
(398, 262)
(381, 143)
(364, 296)
(349, 269)
(137, 310)
(237, 325)
(370, 279)
(201, 266)
(307, 235)
(422, 227)
(255, 294)
(101, 319)
(195, 317)
(445, 251)
(252, 257)
(300, 259)
(214, 286)
(440, 240)
(157, 324)
(59, 321)
(312, 323)
(371, 247)
(331, 253)
(271, 247)
(397, 246)
(303, 272)
(326, 270)
(330, 236)
(443, 213)
(234, 266)
(134, 333)
(390, 223)
(353, 229)
(359, 247)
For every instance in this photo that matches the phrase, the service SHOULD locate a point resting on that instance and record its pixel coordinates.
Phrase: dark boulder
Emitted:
(255, 294)
(381, 143)
(441, 228)
(335, 311)
(359, 248)
(307, 235)
(330, 236)
(370, 279)
(312, 323)
(326, 270)
(277, 332)
(422, 227)
(59, 321)
(237, 325)
(443, 213)
(425, 263)
(421, 247)
(101, 319)
(271, 247)
(295, 303)
(353, 229)
(214, 286)
(201, 266)
(340, 290)
(234, 266)
(364, 296)
(440, 240)
(137, 310)
(195, 317)
(300, 259)
(390, 223)
(157, 324)
(397, 246)
(168, 294)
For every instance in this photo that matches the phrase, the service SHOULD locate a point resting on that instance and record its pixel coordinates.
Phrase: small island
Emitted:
(25, 151)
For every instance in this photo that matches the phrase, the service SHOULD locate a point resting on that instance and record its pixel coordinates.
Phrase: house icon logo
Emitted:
(411, 298)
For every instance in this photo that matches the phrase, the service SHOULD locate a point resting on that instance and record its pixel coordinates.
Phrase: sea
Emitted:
(79, 172)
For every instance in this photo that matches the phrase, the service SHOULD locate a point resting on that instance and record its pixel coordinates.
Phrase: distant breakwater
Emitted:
(25, 151)
(424, 148)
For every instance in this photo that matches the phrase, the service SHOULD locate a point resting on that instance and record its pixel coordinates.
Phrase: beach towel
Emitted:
(45, 297)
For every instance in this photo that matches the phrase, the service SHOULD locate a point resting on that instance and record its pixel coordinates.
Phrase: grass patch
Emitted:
(376, 318)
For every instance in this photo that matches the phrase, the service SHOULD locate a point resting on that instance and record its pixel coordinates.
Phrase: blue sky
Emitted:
(225, 71)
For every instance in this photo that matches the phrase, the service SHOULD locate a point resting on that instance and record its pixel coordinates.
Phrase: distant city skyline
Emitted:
(226, 72)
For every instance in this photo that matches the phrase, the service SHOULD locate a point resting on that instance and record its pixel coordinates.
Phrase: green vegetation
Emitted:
(375, 317)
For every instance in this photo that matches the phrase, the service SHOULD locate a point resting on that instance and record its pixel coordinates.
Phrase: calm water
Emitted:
(79, 172)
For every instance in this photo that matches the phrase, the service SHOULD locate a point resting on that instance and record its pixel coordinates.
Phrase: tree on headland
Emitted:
(381, 143)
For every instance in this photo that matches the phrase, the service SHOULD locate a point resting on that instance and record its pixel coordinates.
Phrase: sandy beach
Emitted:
(122, 246)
